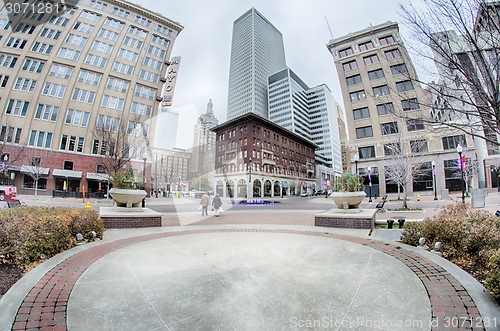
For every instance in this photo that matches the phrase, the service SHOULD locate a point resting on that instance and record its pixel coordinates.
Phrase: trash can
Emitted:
(444, 194)
(401, 222)
(164, 194)
(390, 223)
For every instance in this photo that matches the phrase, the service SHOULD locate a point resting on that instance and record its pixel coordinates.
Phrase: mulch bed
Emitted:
(9, 275)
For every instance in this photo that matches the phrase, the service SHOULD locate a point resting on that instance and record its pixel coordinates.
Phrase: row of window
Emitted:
(377, 74)
(416, 146)
(386, 108)
(372, 59)
(387, 40)
(389, 128)
(382, 90)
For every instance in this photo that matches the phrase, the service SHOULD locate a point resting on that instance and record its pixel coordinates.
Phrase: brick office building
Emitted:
(252, 149)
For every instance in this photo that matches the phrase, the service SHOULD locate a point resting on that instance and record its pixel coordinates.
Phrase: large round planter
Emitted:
(127, 198)
(349, 199)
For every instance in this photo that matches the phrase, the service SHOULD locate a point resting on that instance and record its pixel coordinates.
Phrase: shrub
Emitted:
(469, 239)
(28, 232)
(492, 282)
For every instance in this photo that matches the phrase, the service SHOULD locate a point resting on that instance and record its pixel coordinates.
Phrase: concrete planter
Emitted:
(127, 198)
(348, 200)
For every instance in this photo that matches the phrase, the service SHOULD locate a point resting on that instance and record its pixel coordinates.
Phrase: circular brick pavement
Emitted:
(44, 308)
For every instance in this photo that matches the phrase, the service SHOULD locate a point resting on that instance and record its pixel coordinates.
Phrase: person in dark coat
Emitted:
(217, 203)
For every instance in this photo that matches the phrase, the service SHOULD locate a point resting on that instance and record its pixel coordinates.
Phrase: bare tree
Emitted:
(35, 170)
(462, 39)
(403, 165)
(118, 140)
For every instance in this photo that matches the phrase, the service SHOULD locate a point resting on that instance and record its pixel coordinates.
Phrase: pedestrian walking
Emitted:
(205, 201)
(217, 203)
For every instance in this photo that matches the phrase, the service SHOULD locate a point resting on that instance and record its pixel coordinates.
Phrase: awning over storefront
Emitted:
(14, 168)
(34, 170)
(97, 176)
(66, 173)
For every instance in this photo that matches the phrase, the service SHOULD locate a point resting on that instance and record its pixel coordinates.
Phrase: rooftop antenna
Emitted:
(329, 27)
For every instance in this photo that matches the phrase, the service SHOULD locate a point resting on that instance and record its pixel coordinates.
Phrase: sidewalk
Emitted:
(245, 277)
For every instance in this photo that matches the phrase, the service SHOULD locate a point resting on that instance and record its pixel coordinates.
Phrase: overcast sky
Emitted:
(205, 44)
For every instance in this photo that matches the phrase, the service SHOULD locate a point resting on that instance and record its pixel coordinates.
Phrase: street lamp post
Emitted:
(356, 160)
(145, 158)
(370, 183)
(250, 186)
(459, 151)
(434, 179)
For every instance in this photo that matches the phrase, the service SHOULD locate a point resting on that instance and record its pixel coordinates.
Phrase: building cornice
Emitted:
(148, 13)
(369, 31)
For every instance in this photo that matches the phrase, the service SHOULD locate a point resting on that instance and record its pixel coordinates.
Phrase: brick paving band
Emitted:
(44, 308)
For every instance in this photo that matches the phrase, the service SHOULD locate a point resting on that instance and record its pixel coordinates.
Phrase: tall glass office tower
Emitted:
(257, 51)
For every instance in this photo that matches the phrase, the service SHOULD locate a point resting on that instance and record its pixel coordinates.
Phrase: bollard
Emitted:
(401, 222)
(390, 223)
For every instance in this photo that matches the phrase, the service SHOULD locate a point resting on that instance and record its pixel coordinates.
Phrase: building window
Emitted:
(419, 146)
(350, 65)
(392, 149)
(96, 60)
(393, 54)
(117, 84)
(366, 46)
(376, 74)
(69, 54)
(77, 118)
(61, 71)
(132, 42)
(7, 61)
(88, 77)
(389, 128)
(54, 90)
(415, 124)
(141, 109)
(149, 76)
(50, 33)
(346, 52)
(33, 66)
(364, 132)
(366, 152)
(157, 51)
(107, 34)
(57, 20)
(17, 107)
(90, 16)
(25, 85)
(403, 86)
(102, 47)
(41, 48)
(3, 80)
(120, 12)
(46, 112)
(16, 43)
(399, 69)
(123, 68)
(381, 90)
(386, 40)
(145, 92)
(76, 40)
(137, 32)
(83, 27)
(81, 95)
(385, 109)
(159, 40)
(155, 64)
(24, 28)
(114, 23)
(353, 80)
(452, 142)
(108, 123)
(410, 104)
(40, 139)
(128, 55)
(112, 102)
(357, 96)
(371, 59)
(361, 113)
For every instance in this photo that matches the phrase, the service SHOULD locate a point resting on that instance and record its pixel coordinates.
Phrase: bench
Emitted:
(380, 206)
(15, 203)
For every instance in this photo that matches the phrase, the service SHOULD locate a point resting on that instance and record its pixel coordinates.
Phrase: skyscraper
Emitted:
(257, 51)
(203, 157)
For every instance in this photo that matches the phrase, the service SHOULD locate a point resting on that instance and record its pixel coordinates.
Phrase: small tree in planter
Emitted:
(349, 196)
(124, 191)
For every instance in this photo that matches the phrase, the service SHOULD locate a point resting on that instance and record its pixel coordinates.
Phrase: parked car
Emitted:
(7, 192)
(198, 194)
(319, 192)
(305, 194)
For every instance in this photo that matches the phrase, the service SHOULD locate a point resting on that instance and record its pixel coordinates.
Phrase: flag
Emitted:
(464, 164)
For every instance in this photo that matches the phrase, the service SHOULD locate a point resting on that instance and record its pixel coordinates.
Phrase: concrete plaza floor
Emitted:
(245, 277)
